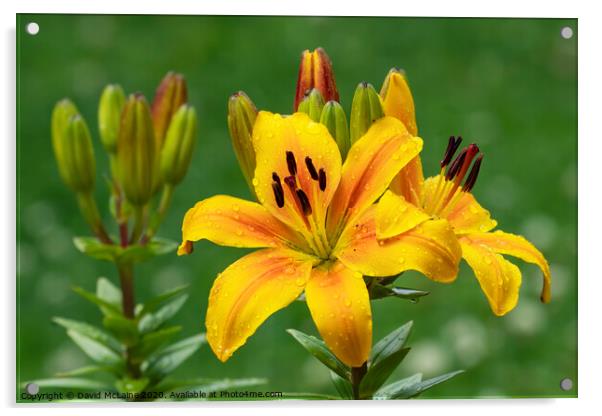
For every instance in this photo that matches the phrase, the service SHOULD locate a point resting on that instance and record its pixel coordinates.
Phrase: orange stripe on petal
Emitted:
(234, 222)
(340, 307)
(430, 248)
(516, 246)
(250, 290)
(370, 166)
(500, 280)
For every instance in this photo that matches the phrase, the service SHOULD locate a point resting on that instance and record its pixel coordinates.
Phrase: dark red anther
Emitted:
(311, 168)
(455, 166)
(452, 147)
(291, 183)
(304, 202)
(473, 175)
(278, 194)
(291, 163)
(275, 177)
(322, 180)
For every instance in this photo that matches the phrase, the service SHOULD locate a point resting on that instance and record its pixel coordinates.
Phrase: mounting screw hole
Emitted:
(32, 28)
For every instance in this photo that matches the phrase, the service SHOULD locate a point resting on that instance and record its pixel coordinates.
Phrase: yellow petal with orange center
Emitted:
(250, 290)
(466, 215)
(234, 222)
(430, 248)
(275, 135)
(500, 280)
(516, 246)
(371, 164)
(340, 307)
(395, 215)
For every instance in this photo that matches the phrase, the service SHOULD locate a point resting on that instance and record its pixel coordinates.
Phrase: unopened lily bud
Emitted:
(179, 144)
(334, 118)
(170, 95)
(312, 105)
(397, 100)
(241, 118)
(315, 71)
(73, 148)
(137, 151)
(366, 108)
(109, 115)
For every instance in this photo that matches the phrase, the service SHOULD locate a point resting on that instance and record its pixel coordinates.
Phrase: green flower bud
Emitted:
(334, 118)
(312, 105)
(366, 108)
(109, 115)
(241, 118)
(171, 93)
(137, 151)
(73, 149)
(179, 144)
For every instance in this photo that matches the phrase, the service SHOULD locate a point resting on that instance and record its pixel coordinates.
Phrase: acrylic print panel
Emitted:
(324, 266)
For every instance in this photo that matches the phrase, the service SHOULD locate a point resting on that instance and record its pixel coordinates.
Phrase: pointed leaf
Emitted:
(152, 321)
(319, 350)
(168, 359)
(70, 383)
(401, 389)
(378, 291)
(154, 303)
(108, 292)
(90, 331)
(131, 385)
(154, 340)
(96, 249)
(124, 329)
(379, 372)
(431, 382)
(106, 307)
(82, 371)
(94, 349)
(390, 344)
(138, 253)
(343, 386)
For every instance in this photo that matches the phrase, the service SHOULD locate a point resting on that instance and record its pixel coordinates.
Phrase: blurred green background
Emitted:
(508, 84)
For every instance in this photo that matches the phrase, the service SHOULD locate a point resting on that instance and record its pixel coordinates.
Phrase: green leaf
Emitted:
(131, 385)
(401, 389)
(95, 249)
(319, 350)
(108, 292)
(106, 307)
(390, 344)
(124, 329)
(70, 383)
(138, 253)
(154, 303)
(378, 291)
(82, 371)
(168, 359)
(152, 321)
(343, 386)
(379, 372)
(89, 331)
(94, 349)
(431, 382)
(153, 340)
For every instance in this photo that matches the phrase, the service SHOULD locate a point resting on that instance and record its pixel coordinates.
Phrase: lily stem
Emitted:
(126, 277)
(159, 216)
(357, 374)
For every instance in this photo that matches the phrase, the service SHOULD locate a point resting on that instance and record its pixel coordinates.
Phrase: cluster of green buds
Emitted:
(317, 96)
(149, 146)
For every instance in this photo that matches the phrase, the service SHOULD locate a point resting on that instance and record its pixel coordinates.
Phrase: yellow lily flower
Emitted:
(445, 197)
(315, 225)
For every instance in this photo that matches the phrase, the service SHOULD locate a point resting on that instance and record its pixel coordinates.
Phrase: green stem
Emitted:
(128, 304)
(89, 210)
(357, 374)
(138, 224)
(159, 216)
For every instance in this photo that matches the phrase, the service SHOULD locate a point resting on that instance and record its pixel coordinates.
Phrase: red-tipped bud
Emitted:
(315, 71)
(170, 95)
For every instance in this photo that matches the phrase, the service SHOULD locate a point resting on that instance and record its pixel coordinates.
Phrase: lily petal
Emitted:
(234, 222)
(409, 182)
(467, 215)
(395, 215)
(516, 246)
(274, 136)
(248, 292)
(370, 166)
(500, 280)
(340, 307)
(430, 248)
